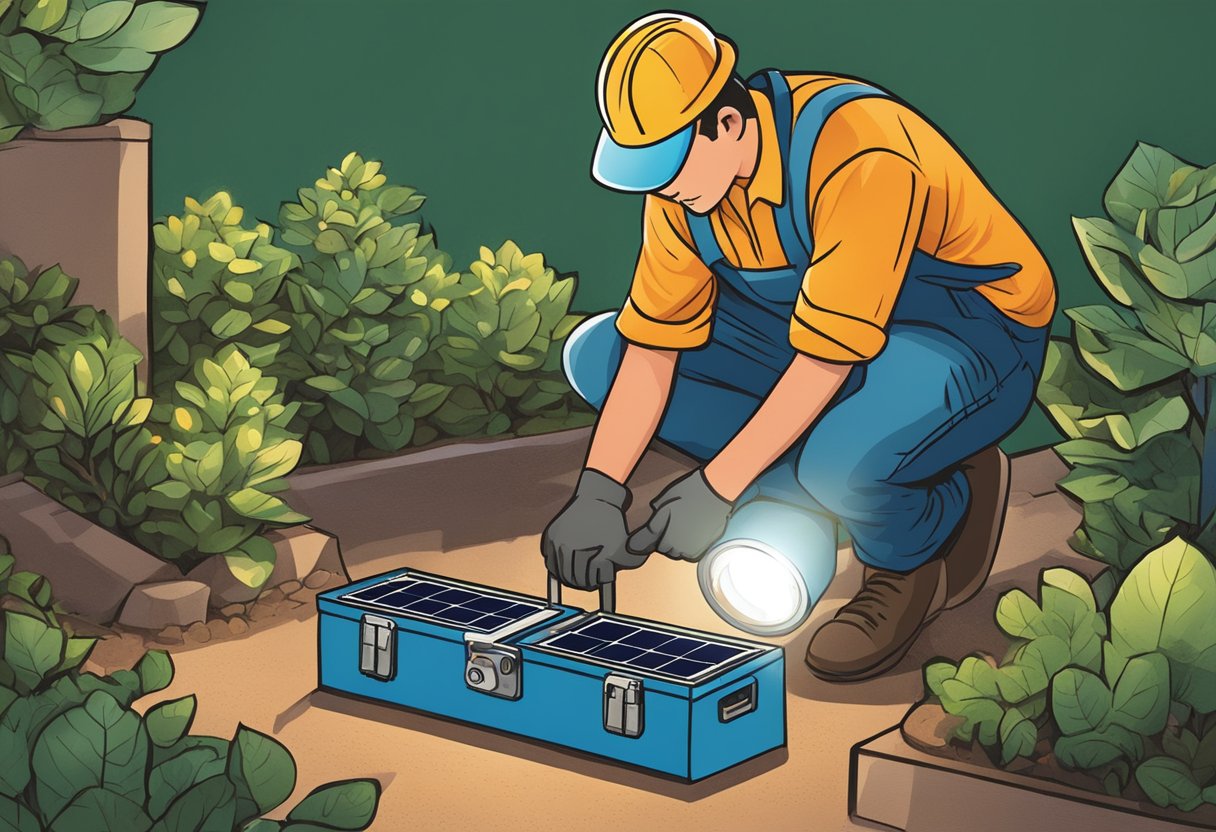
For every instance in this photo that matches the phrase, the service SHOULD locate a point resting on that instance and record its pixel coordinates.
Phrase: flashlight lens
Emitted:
(757, 588)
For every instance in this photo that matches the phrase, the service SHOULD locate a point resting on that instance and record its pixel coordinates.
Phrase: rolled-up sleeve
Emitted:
(866, 219)
(671, 299)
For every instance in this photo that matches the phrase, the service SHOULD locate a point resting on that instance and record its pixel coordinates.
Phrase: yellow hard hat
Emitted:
(656, 78)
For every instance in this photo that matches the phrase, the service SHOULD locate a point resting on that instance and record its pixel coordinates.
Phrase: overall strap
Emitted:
(806, 132)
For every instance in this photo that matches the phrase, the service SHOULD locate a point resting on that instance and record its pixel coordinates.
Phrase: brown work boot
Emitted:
(874, 630)
(871, 633)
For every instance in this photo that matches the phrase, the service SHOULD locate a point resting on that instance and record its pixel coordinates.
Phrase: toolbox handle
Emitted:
(607, 593)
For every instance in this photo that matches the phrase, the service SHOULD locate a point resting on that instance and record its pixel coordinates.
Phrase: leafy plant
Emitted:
(227, 445)
(72, 422)
(34, 311)
(1133, 387)
(68, 63)
(1117, 691)
(497, 364)
(215, 283)
(75, 755)
(366, 303)
(82, 425)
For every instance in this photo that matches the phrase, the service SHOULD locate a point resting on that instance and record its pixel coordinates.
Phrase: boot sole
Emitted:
(992, 514)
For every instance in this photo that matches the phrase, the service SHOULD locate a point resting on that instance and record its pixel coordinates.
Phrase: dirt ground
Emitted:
(440, 775)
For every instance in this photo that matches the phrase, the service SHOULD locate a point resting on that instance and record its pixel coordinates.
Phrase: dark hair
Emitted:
(735, 94)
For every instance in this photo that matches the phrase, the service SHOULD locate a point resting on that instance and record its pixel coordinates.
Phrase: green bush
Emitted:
(83, 426)
(1132, 388)
(227, 446)
(215, 283)
(497, 363)
(74, 755)
(188, 475)
(1119, 690)
(68, 63)
(34, 312)
(365, 306)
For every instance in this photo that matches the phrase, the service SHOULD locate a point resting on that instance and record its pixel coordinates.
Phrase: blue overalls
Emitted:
(955, 376)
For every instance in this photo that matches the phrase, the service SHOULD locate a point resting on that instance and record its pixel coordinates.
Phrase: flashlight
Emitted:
(770, 567)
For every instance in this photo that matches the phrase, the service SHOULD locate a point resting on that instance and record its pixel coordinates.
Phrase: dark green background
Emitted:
(488, 107)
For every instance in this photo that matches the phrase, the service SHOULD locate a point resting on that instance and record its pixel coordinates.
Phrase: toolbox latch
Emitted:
(624, 705)
(377, 647)
(495, 669)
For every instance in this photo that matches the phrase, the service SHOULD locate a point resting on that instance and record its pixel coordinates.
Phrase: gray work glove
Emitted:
(688, 517)
(584, 545)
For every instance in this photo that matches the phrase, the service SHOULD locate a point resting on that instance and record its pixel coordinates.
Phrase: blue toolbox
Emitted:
(678, 701)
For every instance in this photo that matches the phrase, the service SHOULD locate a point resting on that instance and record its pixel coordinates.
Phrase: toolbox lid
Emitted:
(435, 605)
(674, 660)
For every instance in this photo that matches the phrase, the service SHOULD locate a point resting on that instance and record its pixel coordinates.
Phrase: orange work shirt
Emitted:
(883, 183)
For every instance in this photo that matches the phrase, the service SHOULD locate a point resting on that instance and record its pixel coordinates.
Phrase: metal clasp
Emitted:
(624, 705)
(377, 647)
(496, 668)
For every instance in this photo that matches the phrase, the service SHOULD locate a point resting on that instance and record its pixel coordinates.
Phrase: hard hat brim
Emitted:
(640, 169)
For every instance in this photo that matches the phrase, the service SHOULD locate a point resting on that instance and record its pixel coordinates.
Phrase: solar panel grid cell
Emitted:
(644, 648)
(448, 605)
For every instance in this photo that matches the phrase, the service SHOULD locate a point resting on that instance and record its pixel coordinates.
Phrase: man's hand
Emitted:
(688, 516)
(585, 544)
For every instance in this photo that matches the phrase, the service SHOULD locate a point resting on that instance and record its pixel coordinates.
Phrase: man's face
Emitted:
(711, 167)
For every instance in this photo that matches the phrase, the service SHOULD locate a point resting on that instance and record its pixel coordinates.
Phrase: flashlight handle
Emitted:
(607, 593)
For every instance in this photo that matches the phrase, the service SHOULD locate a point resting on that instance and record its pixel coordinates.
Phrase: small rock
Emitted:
(238, 626)
(928, 728)
(290, 587)
(155, 605)
(261, 611)
(272, 595)
(317, 579)
(231, 610)
(218, 628)
(198, 633)
(300, 550)
(170, 635)
(302, 596)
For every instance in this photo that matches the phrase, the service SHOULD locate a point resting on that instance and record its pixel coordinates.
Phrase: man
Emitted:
(830, 309)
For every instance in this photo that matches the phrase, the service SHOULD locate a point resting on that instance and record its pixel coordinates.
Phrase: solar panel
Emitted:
(470, 609)
(633, 644)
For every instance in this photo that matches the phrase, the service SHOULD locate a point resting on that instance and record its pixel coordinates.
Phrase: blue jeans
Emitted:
(955, 376)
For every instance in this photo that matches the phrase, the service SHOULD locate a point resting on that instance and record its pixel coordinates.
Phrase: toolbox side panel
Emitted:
(557, 705)
(759, 727)
(567, 707)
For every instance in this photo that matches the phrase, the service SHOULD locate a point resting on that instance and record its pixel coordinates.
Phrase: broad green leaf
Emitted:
(100, 808)
(1126, 357)
(31, 648)
(252, 562)
(261, 768)
(1168, 782)
(153, 27)
(1018, 736)
(249, 502)
(172, 777)
(1113, 256)
(1017, 614)
(1091, 750)
(99, 743)
(207, 806)
(1142, 694)
(168, 721)
(348, 805)
(1080, 700)
(1167, 604)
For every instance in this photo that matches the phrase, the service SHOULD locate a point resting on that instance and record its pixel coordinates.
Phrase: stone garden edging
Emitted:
(904, 788)
(102, 578)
